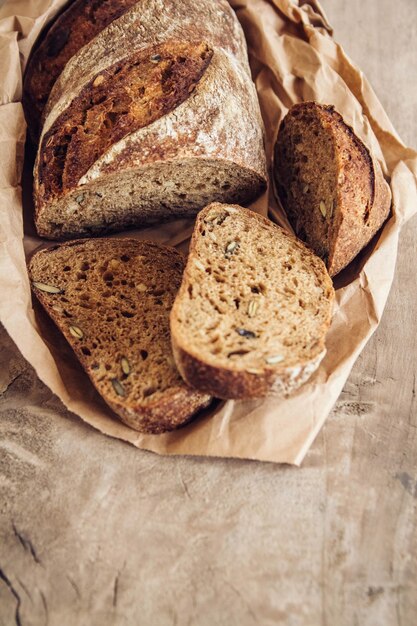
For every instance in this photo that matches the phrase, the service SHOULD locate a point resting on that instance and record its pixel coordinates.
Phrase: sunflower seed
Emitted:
(306, 188)
(245, 333)
(125, 366)
(118, 387)
(141, 287)
(272, 360)
(199, 264)
(323, 208)
(76, 332)
(98, 80)
(252, 308)
(253, 371)
(47, 288)
(230, 249)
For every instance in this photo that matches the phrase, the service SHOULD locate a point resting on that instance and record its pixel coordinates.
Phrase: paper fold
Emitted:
(293, 58)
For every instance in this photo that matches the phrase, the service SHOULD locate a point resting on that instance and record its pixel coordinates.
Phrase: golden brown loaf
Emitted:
(330, 186)
(111, 299)
(153, 119)
(253, 309)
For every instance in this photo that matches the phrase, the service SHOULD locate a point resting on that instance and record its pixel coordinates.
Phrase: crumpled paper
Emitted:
(293, 58)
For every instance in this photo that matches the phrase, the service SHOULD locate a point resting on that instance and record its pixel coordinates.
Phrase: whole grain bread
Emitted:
(111, 299)
(329, 184)
(153, 119)
(81, 21)
(253, 308)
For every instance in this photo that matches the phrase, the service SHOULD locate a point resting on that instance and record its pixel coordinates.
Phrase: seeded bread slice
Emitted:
(253, 308)
(330, 186)
(111, 298)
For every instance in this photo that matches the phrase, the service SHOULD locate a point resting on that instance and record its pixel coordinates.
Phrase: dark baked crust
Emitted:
(127, 96)
(76, 26)
(226, 384)
(355, 195)
(165, 168)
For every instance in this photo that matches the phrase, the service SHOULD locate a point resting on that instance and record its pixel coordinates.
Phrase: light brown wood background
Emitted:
(94, 532)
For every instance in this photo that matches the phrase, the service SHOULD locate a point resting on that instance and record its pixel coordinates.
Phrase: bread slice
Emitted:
(330, 186)
(73, 28)
(111, 299)
(253, 308)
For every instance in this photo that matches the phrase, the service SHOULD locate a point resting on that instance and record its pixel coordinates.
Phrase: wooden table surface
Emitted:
(95, 532)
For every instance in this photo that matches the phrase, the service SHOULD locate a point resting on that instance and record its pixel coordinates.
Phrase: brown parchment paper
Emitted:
(293, 58)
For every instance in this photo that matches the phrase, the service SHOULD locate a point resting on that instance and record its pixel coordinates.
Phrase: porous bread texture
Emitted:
(331, 188)
(217, 124)
(111, 299)
(157, 191)
(253, 309)
(76, 26)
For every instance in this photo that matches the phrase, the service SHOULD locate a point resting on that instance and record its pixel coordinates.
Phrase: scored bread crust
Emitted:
(173, 407)
(349, 231)
(146, 24)
(73, 28)
(236, 382)
(202, 130)
(220, 121)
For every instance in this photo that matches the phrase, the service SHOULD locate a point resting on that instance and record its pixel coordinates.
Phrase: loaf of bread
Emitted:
(76, 26)
(330, 186)
(253, 309)
(111, 299)
(153, 119)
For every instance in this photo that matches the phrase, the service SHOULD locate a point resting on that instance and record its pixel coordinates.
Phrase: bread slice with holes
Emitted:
(111, 299)
(253, 309)
(329, 184)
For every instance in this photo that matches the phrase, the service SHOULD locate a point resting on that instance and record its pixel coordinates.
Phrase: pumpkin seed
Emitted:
(273, 360)
(125, 366)
(47, 288)
(252, 308)
(199, 264)
(118, 387)
(245, 333)
(76, 332)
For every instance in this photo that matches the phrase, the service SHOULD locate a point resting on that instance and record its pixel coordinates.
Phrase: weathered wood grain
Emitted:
(94, 532)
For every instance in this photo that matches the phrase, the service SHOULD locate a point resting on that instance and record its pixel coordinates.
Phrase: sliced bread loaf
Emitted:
(111, 298)
(330, 186)
(253, 309)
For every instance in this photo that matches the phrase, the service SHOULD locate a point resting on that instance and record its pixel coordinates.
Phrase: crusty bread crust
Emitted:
(80, 22)
(88, 304)
(236, 381)
(359, 196)
(241, 385)
(219, 121)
